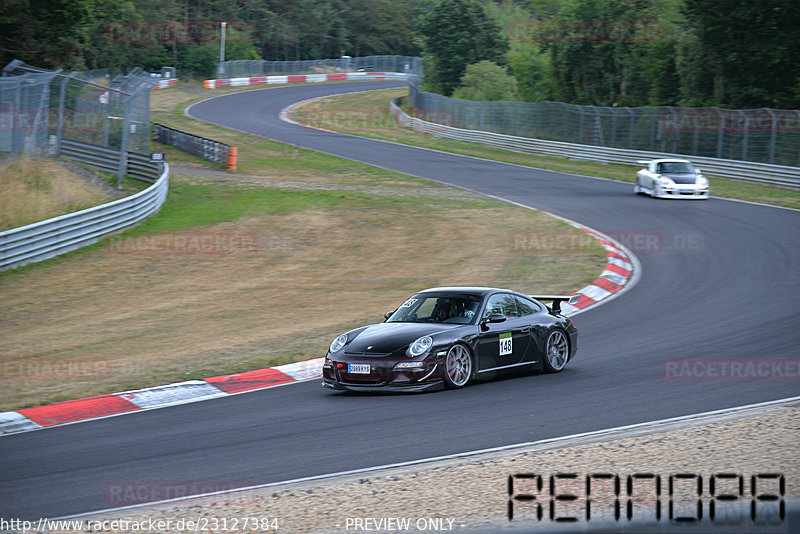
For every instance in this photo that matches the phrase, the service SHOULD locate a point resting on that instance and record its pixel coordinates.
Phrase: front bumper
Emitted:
(688, 192)
(383, 375)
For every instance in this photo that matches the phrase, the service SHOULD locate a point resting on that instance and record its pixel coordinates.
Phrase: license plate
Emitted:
(358, 368)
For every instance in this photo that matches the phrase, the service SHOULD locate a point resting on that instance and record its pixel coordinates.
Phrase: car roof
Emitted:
(670, 161)
(475, 290)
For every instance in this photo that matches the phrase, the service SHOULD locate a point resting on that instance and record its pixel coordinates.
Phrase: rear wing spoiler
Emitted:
(644, 161)
(557, 300)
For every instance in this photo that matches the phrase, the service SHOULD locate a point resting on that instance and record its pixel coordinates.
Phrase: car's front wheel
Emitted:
(556, 352)
(457, 367)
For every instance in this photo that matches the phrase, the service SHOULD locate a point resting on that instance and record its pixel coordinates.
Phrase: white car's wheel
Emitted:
(636, 189)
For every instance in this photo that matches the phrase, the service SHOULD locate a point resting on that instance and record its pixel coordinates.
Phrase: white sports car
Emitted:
(671, 178)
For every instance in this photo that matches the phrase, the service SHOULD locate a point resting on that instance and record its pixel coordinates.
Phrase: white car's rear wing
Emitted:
(557, 300)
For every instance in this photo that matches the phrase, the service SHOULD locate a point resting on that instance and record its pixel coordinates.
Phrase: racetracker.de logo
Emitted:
(185, 243)
(127, 493)
(347, 118)
(586, 31)
(702, 369)
(55, 369)
(172, 32)
(549, 242)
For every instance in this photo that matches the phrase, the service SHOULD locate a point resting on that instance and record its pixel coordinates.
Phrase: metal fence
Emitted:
(762, 135)
(40, 109)
(787, 176)
(194, 144)
(241, 68)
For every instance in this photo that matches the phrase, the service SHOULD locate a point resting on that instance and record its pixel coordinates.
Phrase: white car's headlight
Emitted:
(338, 343)
(702, 180)
(666, 182)
(419, 347)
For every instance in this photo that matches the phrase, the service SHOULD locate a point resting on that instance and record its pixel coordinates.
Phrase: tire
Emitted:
(636, 189)
(457, 367)
(556, 352)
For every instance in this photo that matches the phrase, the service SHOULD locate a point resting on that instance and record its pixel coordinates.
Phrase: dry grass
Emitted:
(35, 189)
(361, 241)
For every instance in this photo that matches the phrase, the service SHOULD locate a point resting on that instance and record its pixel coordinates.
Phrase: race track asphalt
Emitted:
(723, 285)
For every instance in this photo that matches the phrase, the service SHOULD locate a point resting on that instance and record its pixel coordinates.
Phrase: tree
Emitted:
(750, 49)
(534, 73)
(379, 27)
(457, 33)
(44, 33)
(487, 81)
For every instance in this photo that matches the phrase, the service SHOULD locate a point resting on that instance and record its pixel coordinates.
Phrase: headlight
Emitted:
(702, 180)
(419, 347)
(666, 182)
(338, 343)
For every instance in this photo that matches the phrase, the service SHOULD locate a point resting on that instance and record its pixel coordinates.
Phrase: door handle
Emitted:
(526, 330)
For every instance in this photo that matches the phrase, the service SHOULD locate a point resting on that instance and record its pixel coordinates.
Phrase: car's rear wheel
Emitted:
(556, 352)
(457, 367)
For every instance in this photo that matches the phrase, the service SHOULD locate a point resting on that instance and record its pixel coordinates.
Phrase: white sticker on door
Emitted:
(505, 344)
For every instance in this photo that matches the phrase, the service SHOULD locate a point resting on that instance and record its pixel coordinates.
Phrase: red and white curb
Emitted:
(302, 78)
(616, 277)
(156, 397)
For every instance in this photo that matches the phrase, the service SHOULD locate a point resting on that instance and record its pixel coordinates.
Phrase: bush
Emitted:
(487, 81)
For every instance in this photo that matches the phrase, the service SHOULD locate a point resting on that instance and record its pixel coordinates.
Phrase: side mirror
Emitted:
(494, 318)
(388, 314)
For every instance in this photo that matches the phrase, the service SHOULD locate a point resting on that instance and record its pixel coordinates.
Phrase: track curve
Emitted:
(732, 296)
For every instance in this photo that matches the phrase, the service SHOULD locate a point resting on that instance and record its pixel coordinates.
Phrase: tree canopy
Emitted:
(120, 34)
(727, 53)
(457, 33)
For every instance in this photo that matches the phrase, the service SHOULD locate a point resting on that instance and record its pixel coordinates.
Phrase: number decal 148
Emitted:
(505, 344)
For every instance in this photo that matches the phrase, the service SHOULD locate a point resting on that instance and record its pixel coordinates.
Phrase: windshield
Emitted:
(437, 308)
(675, 167)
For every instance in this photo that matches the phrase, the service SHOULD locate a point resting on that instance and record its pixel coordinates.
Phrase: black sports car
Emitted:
(446, 336)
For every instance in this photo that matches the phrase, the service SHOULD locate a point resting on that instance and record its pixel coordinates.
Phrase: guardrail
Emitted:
(766, 173)
(46, 239)
(107, 159)
(199, 146)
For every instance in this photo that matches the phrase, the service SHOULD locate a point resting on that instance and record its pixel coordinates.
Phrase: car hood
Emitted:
(386, 338)
(681, 178)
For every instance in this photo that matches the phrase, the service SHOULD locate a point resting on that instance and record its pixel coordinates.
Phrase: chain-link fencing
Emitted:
(242, 68)
(762, 135)
(40, 109)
